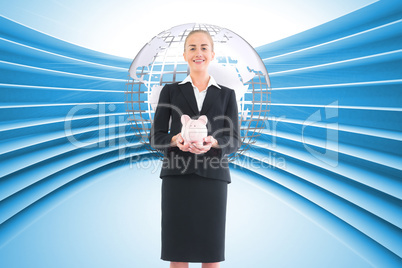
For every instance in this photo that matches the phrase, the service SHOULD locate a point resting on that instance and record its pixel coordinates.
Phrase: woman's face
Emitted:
(198, 52)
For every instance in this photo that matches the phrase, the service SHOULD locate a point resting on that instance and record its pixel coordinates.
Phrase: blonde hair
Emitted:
(200, 31)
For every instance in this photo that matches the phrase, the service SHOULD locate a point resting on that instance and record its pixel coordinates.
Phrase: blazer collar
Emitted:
(188, 92)
(211, 97)
(211, 81)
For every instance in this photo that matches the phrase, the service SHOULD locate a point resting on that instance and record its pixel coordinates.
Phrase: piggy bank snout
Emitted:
(200, 126)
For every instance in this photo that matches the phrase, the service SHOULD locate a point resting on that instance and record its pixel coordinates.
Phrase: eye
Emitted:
(192, 48)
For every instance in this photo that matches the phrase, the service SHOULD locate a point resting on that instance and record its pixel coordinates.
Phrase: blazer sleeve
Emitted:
(159, 136)
(228, 138)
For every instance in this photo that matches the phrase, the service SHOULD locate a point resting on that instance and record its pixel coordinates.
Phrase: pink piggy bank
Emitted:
(193, 131)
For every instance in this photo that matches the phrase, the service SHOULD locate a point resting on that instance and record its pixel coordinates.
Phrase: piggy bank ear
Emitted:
(184, 119)
(203, 119)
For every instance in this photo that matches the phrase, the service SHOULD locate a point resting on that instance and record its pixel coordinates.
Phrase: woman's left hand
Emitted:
(208, 143)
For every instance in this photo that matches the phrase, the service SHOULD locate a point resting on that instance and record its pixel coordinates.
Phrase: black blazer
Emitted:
(220, 107)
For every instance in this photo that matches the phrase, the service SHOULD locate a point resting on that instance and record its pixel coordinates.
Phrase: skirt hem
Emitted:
(192, 260)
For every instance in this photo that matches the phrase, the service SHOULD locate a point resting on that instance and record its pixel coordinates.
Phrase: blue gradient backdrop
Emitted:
(321, 188)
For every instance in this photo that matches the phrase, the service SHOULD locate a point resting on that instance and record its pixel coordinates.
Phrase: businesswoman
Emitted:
(195, 179)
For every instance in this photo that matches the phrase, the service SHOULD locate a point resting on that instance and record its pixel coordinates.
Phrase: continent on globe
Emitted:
(145, 57)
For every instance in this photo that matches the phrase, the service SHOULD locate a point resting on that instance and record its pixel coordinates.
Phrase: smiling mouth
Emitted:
(199, 60)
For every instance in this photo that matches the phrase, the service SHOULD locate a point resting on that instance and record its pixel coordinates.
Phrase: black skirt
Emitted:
(193, 218)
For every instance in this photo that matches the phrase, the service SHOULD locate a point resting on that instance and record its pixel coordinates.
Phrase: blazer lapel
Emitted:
(210, 99)
(188, 92)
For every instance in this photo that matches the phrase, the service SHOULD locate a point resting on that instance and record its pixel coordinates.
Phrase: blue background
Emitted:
(322, 187)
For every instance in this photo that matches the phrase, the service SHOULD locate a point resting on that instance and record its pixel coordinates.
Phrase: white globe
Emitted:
(236, 65)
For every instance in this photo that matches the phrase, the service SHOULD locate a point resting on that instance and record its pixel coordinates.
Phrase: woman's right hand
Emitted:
(178, 141)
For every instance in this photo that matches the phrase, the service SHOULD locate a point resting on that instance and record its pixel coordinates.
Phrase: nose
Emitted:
(198, 52)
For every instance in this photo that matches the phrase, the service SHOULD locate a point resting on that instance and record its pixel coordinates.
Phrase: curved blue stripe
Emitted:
(361, 193)
(52, 173)
(29, 215)
(34, 148)
(21, 34)
(379, 230)
(363, 245)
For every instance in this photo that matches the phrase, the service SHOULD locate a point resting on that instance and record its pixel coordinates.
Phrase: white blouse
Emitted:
(200, 96)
